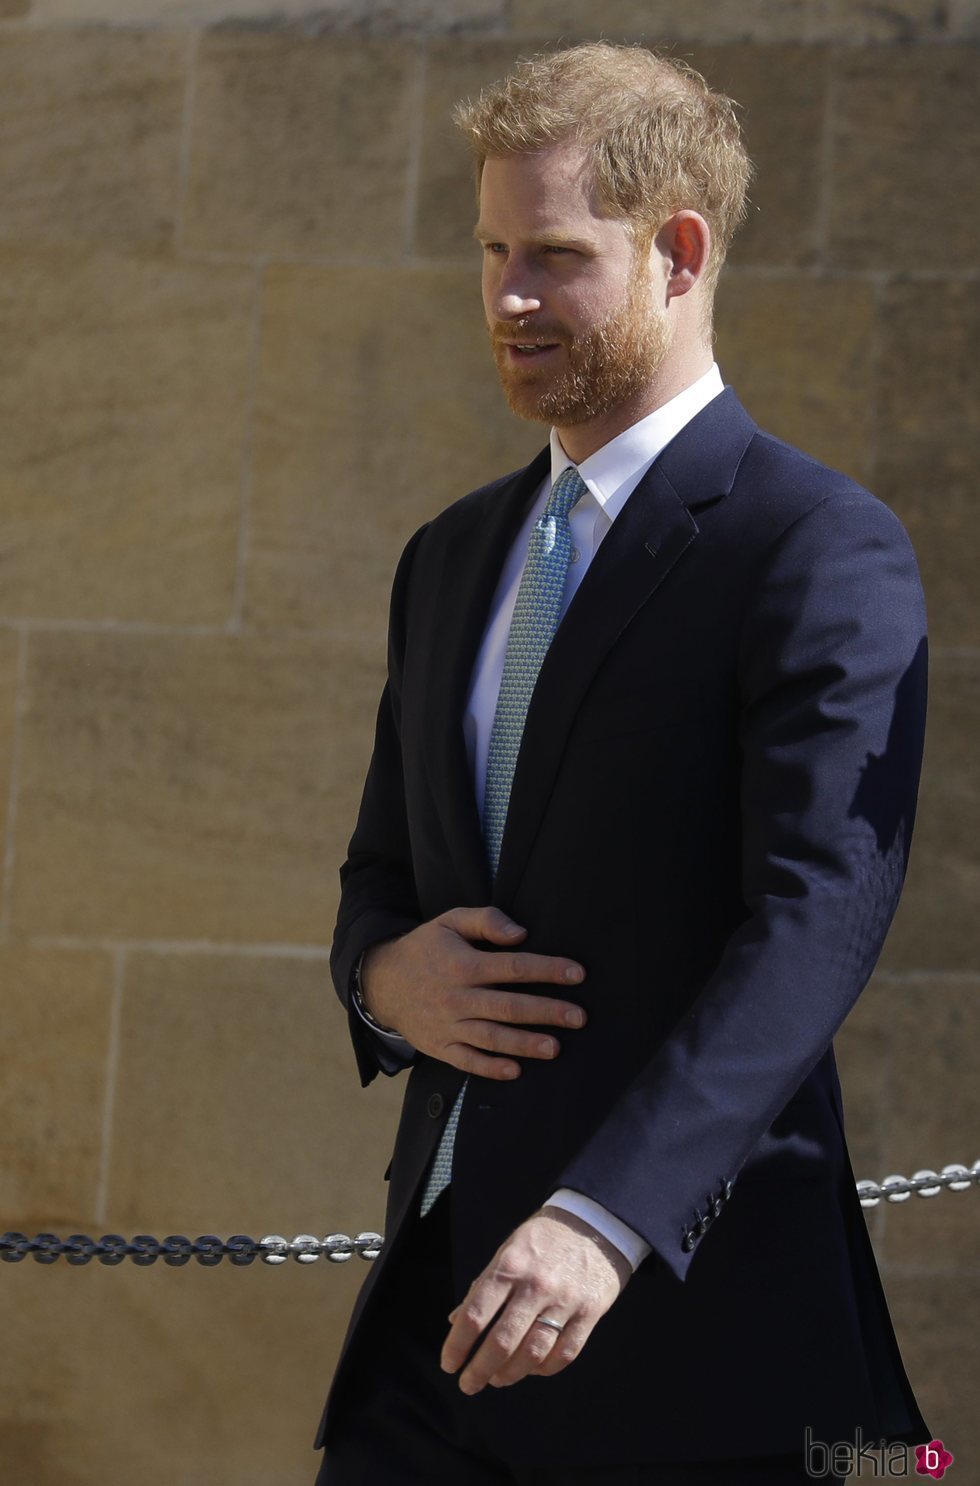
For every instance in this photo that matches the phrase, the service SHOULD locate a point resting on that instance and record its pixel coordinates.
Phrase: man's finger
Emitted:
(472, 1060)
(539, 1342)
(501, 1347)
(567, 1346)
(517, 1010)
(486, 923)
(471, 1318)
(523, 967)
(498, 1037)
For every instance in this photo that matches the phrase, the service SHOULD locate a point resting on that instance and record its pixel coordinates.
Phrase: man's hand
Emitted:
(435, 988)
(554, 1265)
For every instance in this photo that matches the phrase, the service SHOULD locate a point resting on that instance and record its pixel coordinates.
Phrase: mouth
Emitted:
(529, 350)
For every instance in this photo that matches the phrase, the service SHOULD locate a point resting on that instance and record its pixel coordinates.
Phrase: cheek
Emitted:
(488, 289)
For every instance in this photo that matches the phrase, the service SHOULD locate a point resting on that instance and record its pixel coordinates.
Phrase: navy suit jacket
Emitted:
(711, 810)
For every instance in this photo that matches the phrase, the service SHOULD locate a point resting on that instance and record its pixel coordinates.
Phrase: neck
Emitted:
(579, 440)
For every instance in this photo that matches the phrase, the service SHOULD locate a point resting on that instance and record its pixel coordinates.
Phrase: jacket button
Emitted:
(435, 1106)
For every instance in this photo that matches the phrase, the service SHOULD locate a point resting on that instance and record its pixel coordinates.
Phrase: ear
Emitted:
(684, 243)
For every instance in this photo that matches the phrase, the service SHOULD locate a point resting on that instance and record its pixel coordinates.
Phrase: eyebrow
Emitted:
(558, 239)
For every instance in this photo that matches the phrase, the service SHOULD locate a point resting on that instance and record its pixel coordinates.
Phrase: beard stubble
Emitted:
(603, 367)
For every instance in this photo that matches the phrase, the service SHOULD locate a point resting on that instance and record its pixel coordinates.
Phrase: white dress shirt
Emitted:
(611, 475)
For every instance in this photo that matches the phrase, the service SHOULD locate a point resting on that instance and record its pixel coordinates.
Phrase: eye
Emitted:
(494, 248)
(554, 248)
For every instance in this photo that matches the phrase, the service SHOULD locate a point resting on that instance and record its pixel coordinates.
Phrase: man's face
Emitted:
(563, 279)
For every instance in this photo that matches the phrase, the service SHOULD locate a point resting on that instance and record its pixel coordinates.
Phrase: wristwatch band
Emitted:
(359, 1000)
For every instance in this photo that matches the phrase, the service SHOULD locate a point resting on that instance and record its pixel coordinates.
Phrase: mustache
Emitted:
(541, 335)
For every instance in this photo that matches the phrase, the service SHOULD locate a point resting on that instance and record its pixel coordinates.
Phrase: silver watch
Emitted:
(359, 1000)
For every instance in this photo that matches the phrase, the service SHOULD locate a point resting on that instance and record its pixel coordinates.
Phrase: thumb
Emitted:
(487, 923)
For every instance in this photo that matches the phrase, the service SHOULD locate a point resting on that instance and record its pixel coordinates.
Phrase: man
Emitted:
(632, 835)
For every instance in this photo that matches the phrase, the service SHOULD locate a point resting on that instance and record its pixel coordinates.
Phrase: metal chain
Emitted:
(924, 1184)
(305, 1248)
(176, 1250)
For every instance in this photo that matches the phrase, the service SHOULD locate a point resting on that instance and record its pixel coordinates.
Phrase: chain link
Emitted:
(337, 1248)
(208, 1250)
(923, 1183)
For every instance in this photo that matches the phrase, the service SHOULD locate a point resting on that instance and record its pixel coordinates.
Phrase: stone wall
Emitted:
(243, 359)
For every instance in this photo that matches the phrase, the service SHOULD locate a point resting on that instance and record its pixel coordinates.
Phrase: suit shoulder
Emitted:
(778, 485)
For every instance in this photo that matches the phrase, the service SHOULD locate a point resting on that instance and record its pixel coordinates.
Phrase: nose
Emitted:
(513, 304)
(512, 294)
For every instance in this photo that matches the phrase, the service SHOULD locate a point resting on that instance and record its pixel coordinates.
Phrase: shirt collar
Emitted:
(613, 472)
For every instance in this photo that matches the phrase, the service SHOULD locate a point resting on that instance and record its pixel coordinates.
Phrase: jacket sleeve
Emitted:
(833, 690)
(378, 898)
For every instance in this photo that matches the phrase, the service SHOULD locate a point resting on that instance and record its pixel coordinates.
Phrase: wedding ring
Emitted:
(544, 1321)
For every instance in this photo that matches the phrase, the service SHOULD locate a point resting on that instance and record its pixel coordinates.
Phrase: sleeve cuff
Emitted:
(634, 1248)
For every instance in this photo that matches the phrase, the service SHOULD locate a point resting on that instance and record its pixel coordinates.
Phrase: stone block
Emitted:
(657, 20)
(91, 137)
(188, 787)
(237, 1109)
(935, 926)
(56, 1012)
(238, 1106)
(928, 442)
(377, 405)
(903, 119)
(164, 1375)
(9, 651)
(933, 1117)
(447, 207)
(935, 1320)
(123, 402)
(856, 22)
(788, 346)
(963, 19)
(329, 16)
(300, 145)
(782, 91)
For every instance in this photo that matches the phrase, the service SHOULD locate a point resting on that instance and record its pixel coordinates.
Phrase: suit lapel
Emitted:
(654, 531)
(647, 538)
(472, 561)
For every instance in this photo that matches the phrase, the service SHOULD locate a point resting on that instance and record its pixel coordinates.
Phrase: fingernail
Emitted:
(510, 928)
(574, 1018)
(511, 1070)
(575, 973)
(547, 1048)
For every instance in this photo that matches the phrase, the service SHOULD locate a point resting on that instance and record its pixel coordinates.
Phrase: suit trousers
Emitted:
(402, 1421)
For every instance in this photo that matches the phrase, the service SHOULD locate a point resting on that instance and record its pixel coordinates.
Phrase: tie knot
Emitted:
(567, 489)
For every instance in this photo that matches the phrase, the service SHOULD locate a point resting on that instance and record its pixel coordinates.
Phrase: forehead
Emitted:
(551, 188)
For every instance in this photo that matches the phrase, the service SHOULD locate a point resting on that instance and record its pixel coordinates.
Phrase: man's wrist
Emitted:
(624, 1239)
(358, 993)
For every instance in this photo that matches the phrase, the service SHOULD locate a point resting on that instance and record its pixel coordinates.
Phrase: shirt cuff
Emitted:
(634, 1248)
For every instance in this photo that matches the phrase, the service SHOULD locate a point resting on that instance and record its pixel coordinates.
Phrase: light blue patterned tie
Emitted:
(535, 619)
